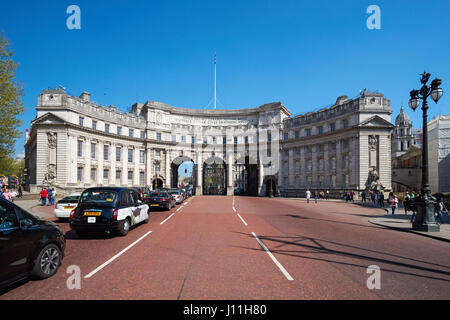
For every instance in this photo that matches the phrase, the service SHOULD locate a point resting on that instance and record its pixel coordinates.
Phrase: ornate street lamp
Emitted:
(426, 203)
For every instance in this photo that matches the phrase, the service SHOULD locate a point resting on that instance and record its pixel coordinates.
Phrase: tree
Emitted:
(11, 105)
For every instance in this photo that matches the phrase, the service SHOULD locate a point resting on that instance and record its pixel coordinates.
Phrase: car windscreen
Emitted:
(158, 195)
(101, 197)
(69, 199)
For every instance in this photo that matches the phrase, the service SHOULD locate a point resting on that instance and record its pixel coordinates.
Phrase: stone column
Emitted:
(291, 174)
(302, 168)
(199, 190)
(136, 166)
(87, 162)
(125, 165)
(261, 188)
(314, 167)
(168, 177)
(72, 174)
(149, 167)
(112, 161)
(230, 186)
(280, 169)
(339, 178)
(100, 163)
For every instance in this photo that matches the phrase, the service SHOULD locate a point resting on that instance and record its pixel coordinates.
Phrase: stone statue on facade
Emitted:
(373, 181)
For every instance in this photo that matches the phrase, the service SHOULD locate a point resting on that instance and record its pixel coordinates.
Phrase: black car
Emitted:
(28, 245)
(108, 209)
(160, 200)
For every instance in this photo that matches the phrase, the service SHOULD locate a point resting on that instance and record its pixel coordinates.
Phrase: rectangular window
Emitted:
(106, 152)
(332, 127)
(320, 130)
(79, 174)
(118, 177)
(308, 132)
(285, 136)
(205, 140)
(158, 136)
(269, 137)
(158, 153)
(192, 139)
(131, 133)
(235, 140)
(118, 153)
(93, 149)
(80, 148)
(297, 134)
(183, 139)
(93, 175)
(106, 127)
(142, 134)
(105, 176)
(119, 130)
(174, 138)
(157, 166)
(224, 140)
(141, 156)
(246, 140)
(141, 178)
(130, 155)
(130, 178)
(81, 121)
(94, 125)
(345, 123)
(214, 140)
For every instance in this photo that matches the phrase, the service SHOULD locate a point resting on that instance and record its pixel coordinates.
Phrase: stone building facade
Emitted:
(74, 143)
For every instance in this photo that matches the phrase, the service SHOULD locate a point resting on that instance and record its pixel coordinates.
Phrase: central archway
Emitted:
(214, 177)
(246, 176)
(187, 176)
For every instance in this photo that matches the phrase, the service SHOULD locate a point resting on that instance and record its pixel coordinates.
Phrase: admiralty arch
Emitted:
(75, 143)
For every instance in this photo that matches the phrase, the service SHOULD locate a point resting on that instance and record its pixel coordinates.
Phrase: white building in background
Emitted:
(75, 143)
(439, 154)
(402, 135)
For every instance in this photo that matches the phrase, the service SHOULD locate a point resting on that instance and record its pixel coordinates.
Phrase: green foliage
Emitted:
(9, 167)
(11, 105)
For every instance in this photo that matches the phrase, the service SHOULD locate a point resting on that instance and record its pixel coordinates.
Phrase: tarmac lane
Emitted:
(215, 247)
(327, 248)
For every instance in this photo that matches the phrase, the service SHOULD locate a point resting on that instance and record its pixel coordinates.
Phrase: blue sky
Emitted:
(302, 53)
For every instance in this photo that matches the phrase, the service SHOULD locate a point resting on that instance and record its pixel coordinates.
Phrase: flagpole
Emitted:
(215, 80)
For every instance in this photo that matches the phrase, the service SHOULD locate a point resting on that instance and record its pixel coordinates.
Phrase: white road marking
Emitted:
(234, 209)
(283, 270)
(242, 219)
(116, 256)
(168, 218)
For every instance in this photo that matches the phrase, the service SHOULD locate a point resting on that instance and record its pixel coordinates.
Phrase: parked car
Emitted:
(28, 245)
(64, 207)
(142, 191)
(177, 195)
(111, 209)
(160, 200)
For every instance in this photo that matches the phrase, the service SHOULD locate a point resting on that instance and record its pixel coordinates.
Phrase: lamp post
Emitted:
(426, 203)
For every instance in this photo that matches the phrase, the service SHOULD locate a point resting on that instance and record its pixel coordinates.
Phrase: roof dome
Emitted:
(402, 117)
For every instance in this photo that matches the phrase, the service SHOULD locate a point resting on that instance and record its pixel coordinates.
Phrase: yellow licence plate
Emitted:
(154, 205)
(69, 207)
(92, 213)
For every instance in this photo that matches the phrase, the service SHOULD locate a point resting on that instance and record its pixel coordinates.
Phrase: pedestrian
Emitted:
(327, 195)
(7, 195)
(43, 195)
(372, 196)
(406, 201)
(440, 208)
(49, 196)
(394, 203)
(308, 195)
(315, 196)
(382, 199)
(53, 195)
(363, 197)
(413, 206)
(20, 191)
(13, 195)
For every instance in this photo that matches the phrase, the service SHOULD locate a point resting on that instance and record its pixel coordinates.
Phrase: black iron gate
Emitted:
(214, 179)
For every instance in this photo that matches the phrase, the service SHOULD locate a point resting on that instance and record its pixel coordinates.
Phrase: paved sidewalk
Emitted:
(402, 222)
(34, 207)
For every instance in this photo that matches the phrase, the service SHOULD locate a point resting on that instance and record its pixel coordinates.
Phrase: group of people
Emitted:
(409, 205)
(316, 195)
(9, 194)
(48, 194)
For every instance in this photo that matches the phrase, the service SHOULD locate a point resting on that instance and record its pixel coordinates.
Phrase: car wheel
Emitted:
(47, 262)
(124, 227)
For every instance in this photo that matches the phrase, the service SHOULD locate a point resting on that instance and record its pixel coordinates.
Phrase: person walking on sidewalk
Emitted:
(440, 208)
(393, 203)
(308, 195)
(315, 196)
(413, 206)
(43, 196)
(363, 197)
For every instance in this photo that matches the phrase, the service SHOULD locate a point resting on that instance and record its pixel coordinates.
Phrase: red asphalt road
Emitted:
(205, 251)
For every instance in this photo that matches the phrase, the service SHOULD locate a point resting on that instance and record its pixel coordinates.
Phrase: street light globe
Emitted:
(436, 94)
(414, 103)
